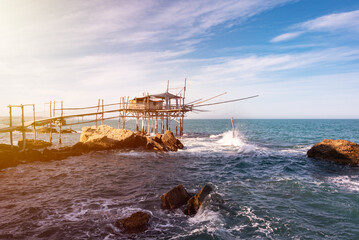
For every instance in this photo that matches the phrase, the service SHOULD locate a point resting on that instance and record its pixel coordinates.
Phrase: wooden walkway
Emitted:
(151, 112)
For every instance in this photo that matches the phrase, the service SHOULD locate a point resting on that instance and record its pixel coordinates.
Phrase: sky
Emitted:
(300, 56)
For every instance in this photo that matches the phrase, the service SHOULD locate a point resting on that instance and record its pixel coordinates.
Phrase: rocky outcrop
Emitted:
(46, 130)
(339, 151)
(92, 139)
(68, 130)
(195, 202)
(137, 222)
(106, 137)
(170, 141)
(33, 144)
(175, 198)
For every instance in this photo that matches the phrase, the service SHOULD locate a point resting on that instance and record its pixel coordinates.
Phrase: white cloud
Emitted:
(286, 36)
(346, 21)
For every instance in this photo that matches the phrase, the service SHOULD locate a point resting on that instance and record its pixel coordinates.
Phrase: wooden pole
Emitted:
(162, 125)
(10, 124)
(137, 123)
(50, 134)
(33, 113)
(61, 119)
(232, 126)
(103, 109)
(23, 127)
(98, 108)
(119, 115)
(53, 110)
(143, 125)
(156, 124)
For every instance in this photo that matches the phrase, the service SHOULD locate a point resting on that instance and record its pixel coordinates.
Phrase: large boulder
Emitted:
(175, 198)
(137, 222)
(339, 151)
(33, 144)
(171, 141)
(106, 137)
(195, 202)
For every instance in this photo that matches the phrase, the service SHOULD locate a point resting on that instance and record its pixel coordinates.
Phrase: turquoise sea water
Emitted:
(269, 188)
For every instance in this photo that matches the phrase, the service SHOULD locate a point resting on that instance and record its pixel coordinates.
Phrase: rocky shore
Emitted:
(92, 139)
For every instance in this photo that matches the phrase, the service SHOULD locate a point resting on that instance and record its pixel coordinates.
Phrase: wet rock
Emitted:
(46, 130)
(68, 131)
(8, 158)
(171, 141)
(33, 144)
(157, 138)
(153, 145)
(8, 147)
(339, 151)
(137, 222)
(195, 202)
(175, 198)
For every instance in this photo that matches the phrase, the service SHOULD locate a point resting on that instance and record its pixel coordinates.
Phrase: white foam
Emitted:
(345, 182)
(229, 140)
(261, 224)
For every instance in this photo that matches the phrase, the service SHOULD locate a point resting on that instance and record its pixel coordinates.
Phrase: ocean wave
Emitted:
(345, 182)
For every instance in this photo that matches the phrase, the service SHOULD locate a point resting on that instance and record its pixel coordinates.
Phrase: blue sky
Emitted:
(301, 57)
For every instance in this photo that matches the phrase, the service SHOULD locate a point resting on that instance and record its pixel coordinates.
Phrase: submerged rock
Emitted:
(175, 198)
(171, 141)
(339, 151)
(137, 222)
(195, 202)
(33, 144)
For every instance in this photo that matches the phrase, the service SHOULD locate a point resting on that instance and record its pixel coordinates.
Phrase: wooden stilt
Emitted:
(119, 115)
(156, 124)
(23, 127)
(137, 124)
(33, 113)
(50, 140)
(103, 110)
(10, 124)
(62, 114)
(143, 125)
(233, 127)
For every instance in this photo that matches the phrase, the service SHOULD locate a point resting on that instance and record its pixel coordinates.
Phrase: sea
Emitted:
(264, 186)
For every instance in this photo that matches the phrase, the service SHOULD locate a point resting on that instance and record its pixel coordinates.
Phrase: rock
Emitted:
(195, 202)
(33, 144)
(8, 147)
(8, 158)
(175, 198)
(137, 222)
(46, 130)
(171, 141)
(339, 151)
(153, 145)
(157, 138)
(106, 137)
(68, 131)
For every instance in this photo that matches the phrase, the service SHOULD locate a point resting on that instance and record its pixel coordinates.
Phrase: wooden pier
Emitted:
(155, 112)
